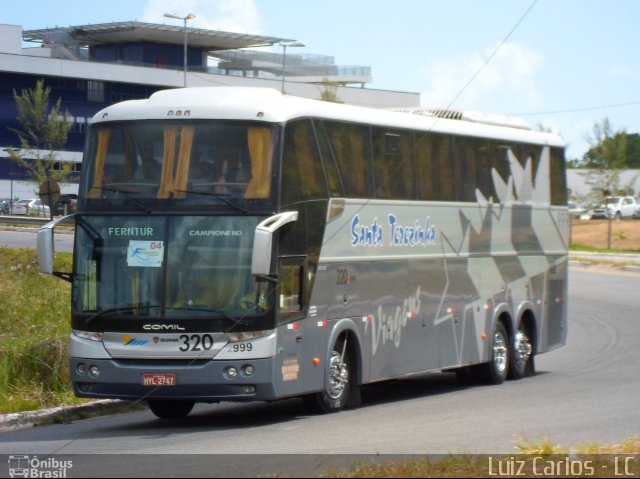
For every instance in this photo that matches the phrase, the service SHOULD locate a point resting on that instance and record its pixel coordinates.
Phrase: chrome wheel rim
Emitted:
(338, 376)
(500, 352)
(523, 349)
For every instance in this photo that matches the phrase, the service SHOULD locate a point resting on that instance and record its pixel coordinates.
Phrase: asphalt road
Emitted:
(584, 392)
(22, 237)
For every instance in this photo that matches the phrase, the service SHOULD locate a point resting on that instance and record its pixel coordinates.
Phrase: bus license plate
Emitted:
(159, 380)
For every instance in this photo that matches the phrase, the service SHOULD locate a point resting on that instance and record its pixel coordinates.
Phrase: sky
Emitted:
(565, 65)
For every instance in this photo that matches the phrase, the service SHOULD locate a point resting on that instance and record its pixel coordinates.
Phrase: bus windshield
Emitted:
(165, 267)
(190, 161)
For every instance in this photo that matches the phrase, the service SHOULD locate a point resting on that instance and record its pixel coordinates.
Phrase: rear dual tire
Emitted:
(513, 359)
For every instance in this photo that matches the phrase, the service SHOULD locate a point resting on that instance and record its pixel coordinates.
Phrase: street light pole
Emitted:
(284, 46)
(190, 16)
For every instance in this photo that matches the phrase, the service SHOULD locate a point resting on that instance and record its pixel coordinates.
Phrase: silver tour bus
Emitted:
(236, 244)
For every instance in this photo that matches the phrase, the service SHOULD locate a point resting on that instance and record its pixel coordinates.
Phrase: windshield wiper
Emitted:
(110, 311)
(221, 196)
(206, 309)
(129, 196)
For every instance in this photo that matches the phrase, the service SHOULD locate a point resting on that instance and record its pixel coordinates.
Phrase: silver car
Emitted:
(30, 207)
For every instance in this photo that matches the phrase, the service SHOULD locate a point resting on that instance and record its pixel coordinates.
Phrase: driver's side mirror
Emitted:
(263, 241)
(46, 246)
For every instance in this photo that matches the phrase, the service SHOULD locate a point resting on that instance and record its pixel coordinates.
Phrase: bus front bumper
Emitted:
(200, 381)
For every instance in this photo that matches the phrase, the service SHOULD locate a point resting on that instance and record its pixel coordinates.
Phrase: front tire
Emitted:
(170, 409)
(339, 387)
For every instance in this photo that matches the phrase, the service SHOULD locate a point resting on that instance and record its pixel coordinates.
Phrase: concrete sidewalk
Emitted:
(21, 420)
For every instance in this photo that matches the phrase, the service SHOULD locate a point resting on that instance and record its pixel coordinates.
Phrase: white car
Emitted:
(616, 207)
(30, 207)
(575, 210)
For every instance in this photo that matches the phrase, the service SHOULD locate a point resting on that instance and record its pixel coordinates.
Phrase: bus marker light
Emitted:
(483, 336)
(293, 326)
(316, 361)
(323, 324)
(367, 318)
(453, 310)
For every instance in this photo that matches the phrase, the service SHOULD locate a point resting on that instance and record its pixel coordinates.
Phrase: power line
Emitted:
(576, 110)
(495, 51)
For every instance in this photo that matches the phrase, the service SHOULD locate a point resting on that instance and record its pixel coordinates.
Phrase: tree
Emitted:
(633, 150)
(606, 157)
(43, 131)
(330, 91)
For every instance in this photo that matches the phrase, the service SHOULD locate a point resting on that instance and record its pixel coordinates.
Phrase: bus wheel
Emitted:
(338, 382)
(521, 362)
(496, 370)
(170, 409)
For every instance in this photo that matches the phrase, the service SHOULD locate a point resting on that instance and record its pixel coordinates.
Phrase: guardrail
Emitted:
(23, 220)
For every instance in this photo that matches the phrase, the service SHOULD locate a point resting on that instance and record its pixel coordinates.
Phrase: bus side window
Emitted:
(292, 288)
(302, 175)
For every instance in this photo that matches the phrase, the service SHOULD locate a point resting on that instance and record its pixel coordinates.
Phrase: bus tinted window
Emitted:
(187, 161)
(350, 145)
(302, 174)
(329, 162)
(558, 177)
(500, 162)
(484, 160)
(393, 164)
(434, 158)
(465, 165)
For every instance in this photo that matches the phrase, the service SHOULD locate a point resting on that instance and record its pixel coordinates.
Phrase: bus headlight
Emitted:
(231, 372)
(247, 335)
(90, 335)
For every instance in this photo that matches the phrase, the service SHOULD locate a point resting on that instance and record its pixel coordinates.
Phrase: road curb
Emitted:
(633, 269)
(21, 420)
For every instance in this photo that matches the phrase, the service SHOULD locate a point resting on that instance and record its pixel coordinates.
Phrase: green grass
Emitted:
(34, 330)
(588, 249)
(602, 458)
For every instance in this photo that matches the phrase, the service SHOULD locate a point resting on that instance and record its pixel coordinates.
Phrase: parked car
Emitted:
(30, 207)
(575, 210)
(616, 207)
(5, 205)
(66, 204)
